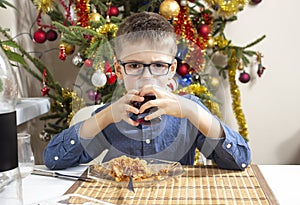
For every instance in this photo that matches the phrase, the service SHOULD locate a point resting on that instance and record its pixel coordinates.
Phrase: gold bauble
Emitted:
(169, 9)
(69, 49)
(214, 82)
(210, 43)
(240, 65)
(95, 16)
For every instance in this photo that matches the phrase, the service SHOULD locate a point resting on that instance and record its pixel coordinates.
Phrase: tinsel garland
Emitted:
(82, 9)
(184, 27)
(236, 98)
(44, 5)
(108, 29)
(235, 92)
(202, 92)
(71, 101)
(227, 8)
(197, 157)
(221, 42)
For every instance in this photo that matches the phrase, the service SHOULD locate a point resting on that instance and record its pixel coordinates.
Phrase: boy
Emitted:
(145, 50)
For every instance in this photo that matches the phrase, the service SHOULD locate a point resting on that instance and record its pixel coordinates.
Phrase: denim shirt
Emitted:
(173, 139)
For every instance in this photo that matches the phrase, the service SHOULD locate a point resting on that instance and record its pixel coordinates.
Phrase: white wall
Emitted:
(270, 103)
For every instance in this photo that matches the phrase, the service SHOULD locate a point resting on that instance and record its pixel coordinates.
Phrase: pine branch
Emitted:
(4, 3)
(38, 64)
(16, 57)
(254, 43)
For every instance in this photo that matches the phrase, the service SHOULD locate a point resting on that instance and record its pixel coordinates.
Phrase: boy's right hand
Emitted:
(120, 109)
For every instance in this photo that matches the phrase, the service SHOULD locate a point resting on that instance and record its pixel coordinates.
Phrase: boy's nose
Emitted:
(146, 73)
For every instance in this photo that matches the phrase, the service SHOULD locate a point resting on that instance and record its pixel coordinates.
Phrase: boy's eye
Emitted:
(160, 65)
(134, 65)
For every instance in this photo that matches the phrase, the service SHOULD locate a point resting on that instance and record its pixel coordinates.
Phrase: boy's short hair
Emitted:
(146, 27)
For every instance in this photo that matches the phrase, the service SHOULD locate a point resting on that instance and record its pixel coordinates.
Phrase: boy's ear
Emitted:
(118, 70)
(173, 68)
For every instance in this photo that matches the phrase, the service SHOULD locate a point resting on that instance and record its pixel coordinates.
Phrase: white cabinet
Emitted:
(29, 108)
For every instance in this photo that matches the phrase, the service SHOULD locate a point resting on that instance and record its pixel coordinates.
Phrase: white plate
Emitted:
(102, 173)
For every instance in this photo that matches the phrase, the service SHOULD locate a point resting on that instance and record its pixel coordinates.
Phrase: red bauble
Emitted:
(51, 35)
(112, 11)
(111, 78)
(254, 2)
(203, 30)
(87, 37)
(244, 77)
(183, 69)
(39, 36)
(107, 67)
(45, 90)
(88, 63)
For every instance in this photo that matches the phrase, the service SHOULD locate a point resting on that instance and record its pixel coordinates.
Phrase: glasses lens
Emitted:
(134, 68)
(159, 68)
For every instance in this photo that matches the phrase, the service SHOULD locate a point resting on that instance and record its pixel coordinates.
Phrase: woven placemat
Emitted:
(198, 185)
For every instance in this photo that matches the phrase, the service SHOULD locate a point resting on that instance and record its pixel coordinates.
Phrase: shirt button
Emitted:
(72, 141)
(244, 165)
(56, 158)
(228, 146)
(147, 141)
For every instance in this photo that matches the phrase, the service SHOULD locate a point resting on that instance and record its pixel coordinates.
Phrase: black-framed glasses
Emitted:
(137, 68)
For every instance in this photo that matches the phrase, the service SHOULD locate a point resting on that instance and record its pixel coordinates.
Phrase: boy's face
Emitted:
(142, 54)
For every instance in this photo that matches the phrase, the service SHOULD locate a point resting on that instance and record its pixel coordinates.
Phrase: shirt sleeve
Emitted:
(65, 149)
(229, 152)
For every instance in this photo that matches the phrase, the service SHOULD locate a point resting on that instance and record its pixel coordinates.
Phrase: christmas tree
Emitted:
(90, 25)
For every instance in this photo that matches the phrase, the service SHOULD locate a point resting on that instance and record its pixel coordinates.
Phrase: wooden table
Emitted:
(284, 181)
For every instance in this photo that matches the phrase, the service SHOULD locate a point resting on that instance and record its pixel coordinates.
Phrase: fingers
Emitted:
(123, 107)
(129, 108)
(133, 95)
(149, 104)
(170, 106)
(155, 114)
(130, 121)
(163, 103)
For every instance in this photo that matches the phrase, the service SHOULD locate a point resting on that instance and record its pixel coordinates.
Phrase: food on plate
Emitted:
(123, 168)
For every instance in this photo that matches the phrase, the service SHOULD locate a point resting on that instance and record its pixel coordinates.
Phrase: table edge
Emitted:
(76, 184)
(264, 185)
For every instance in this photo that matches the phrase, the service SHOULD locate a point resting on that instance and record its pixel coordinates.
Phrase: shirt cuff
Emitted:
(236, 146)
